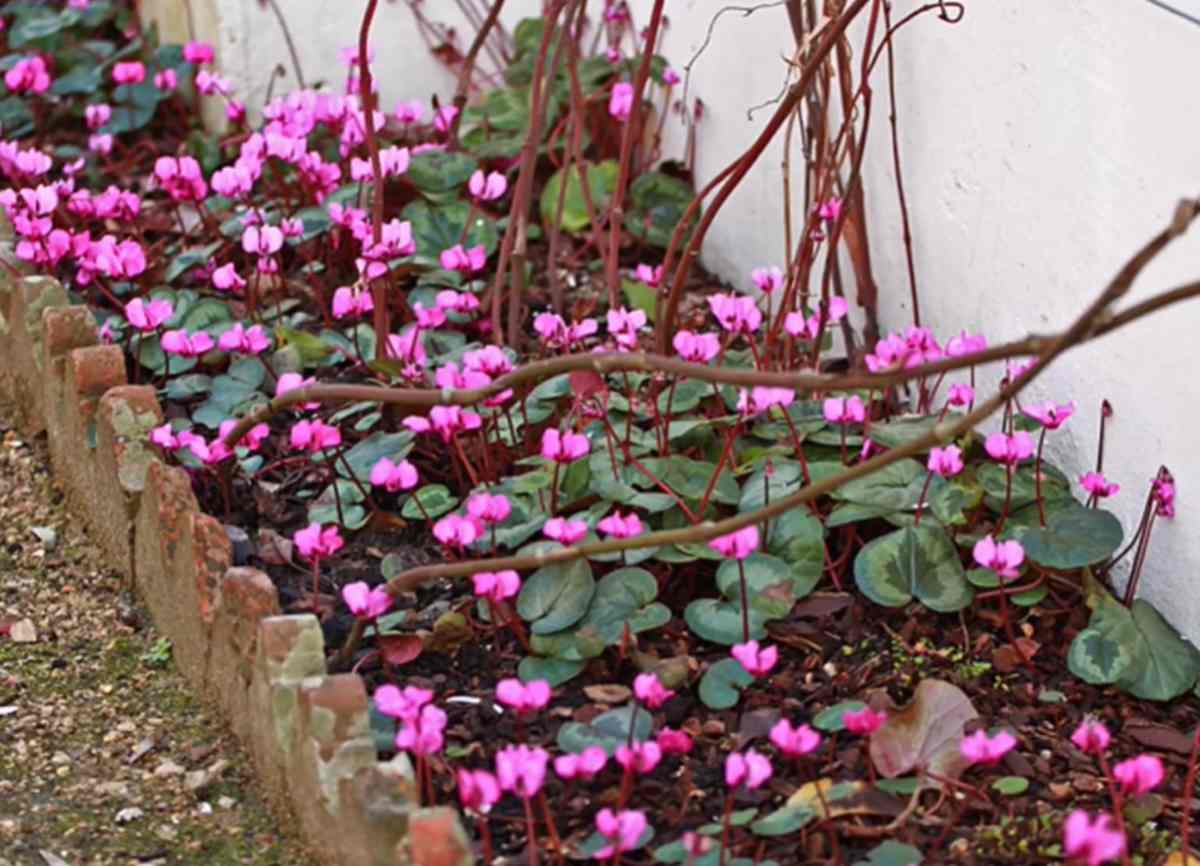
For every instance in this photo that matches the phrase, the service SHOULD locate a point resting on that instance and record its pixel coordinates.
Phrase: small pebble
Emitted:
(129, 814)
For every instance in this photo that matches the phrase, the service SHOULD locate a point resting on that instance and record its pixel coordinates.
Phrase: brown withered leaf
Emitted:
(1009, 657)
(607, 693)
(399, 649)
(925, 735)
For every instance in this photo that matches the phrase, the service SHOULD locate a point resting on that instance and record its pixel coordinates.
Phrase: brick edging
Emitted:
(307, 732)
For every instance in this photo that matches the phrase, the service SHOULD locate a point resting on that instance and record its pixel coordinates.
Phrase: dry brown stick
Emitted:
(830, 36)
(468, 67)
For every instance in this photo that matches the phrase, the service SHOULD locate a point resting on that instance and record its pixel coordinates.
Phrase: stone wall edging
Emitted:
(306, 731)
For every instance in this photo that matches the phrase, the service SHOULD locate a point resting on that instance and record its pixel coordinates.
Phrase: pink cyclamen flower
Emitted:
(489, 508)
(1049, 414)
(863, 722)
(762, 398)
(246, 341)
(403, 704)
(1139, 775)
(830, 210)
(226, 278)
(979, 748)
(364, 602)
(1002, 557)
(738, 314)
(1162, 491)
(696, 348)
(639, 758)
(458, 532)
(564, 447)
(672, 742)
(147, 316)
(97, 115)
(424, 735)
(737, 545)
(565, 531)
(463, 260)
(749, 769)
(794, 741)
(496, 586)
(478, 790)
(315, 542)
(960, 395)
(767, 279)
(1009, 449)
(489, 187)
(650, 691)
(180, 342)
(523, 698)
(28, 75)
(100, 143)
(1092, 842)
(444, 117)
(844, 410)
(623, 830)
(650, 275)
(394, 477)
(618, 525)
(410, 112)
(293, 381)
(1099, 486)
(198, 52)
(757, 661)
(1091, 737)
(129, 72)
(521, 769)
(946, 462)
(314, 436)
(671, 77)
(584, 765)
(166, 80)
(620, 102)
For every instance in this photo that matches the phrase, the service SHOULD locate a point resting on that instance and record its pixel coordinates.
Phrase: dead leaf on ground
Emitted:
(1009, 657)
(607, 693)
(829, 799)
(273, 548)
(822, 604)
(1159, 737)
(925, 735)
(399, 649)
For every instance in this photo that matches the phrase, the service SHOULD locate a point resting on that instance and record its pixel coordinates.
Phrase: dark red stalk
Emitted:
(378, 287)
(616, 213)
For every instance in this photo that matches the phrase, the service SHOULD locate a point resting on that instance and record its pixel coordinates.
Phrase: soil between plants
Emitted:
(834, 647)
(101, 741)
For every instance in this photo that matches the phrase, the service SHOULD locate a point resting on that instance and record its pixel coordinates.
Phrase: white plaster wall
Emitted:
(1042, 142)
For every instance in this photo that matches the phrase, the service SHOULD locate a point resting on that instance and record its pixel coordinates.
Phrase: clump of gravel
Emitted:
(105, 755)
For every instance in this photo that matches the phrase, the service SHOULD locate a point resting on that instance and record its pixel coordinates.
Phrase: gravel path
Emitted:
(105, 757)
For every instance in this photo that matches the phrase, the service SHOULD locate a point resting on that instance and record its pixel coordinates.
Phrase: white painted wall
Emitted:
(1042, 142)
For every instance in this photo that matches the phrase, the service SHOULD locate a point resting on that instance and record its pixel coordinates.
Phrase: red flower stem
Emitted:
(796, 445)
(1037, 478)
(725, 827)
(550, 828)
(531, 831)
(921, 498)
(485, 837)
(633, 126)
(554, 489)
(1118, 807)
(725, 452)
(1189, 789)
(745, 601)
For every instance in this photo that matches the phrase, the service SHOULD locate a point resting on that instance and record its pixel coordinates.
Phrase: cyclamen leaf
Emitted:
(917, 561)
(557, 596)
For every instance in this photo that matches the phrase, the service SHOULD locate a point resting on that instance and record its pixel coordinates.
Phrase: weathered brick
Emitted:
(246, 595)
